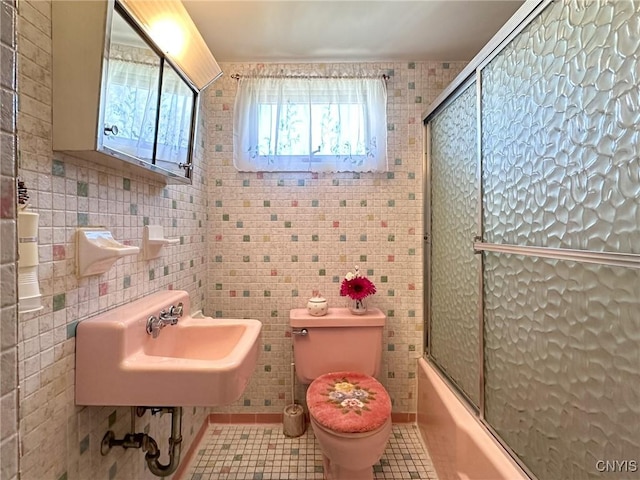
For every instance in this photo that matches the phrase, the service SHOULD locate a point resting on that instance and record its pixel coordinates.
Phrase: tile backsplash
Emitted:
(251, 245)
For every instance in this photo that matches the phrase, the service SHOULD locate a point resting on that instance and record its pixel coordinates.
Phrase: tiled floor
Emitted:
(261, 452)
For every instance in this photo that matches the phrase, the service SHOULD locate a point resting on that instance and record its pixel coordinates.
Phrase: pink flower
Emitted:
(357, 288)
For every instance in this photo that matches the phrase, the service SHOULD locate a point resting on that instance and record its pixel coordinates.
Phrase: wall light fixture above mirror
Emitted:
(169, 25)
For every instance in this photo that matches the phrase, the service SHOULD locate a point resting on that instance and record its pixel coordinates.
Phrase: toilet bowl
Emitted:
(351, 456)
(338, 355)
(350, 414)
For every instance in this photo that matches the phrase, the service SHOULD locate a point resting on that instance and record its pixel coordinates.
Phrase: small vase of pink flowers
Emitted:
(357, 287)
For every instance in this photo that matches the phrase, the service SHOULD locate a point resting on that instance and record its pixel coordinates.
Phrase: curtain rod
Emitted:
(237, 76)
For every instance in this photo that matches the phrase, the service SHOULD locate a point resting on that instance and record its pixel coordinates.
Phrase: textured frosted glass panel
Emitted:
(562, 363)
(454, 267)
(561, 130)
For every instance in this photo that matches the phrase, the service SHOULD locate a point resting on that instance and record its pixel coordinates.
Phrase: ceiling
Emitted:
(348, 31)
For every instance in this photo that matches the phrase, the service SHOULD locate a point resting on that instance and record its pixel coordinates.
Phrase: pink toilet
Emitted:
(350, 411)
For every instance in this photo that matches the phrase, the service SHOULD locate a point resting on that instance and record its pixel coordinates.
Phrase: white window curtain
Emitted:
(310, 124)
(132, 105)
(174, 125)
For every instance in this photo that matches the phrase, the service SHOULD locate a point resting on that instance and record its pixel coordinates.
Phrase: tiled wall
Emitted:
(8, 252)
(58, 439)
(251, 245)
(275, 237)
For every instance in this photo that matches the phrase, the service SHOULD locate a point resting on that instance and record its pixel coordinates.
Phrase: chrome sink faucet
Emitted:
(166, 317)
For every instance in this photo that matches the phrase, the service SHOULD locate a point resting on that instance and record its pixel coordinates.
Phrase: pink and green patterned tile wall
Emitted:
(273, 238)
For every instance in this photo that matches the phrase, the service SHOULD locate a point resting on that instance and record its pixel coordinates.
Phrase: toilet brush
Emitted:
(293, 424)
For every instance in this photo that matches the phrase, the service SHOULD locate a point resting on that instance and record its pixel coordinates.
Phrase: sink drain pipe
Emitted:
(148, 444)
(175, 445)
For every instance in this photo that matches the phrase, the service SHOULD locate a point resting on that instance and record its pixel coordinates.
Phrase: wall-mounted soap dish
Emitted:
(97, 251)
(153, 240)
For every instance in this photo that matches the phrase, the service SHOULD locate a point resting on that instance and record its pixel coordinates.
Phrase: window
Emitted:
(310, 124)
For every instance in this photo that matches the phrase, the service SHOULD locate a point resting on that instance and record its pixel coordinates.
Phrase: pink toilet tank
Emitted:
(336, 342)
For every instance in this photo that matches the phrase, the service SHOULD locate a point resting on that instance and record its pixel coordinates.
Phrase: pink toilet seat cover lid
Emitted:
(348, 402)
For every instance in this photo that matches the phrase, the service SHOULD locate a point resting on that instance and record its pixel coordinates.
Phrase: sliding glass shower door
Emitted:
(560, 110)
(454, 336)
(533, 254)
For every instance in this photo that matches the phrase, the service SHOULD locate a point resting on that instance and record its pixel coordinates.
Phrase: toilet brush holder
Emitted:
(293, 421)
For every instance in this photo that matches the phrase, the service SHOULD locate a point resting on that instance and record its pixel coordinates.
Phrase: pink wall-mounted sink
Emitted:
(196, 362)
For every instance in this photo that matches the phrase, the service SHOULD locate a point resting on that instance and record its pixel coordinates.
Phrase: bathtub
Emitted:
(460, 447)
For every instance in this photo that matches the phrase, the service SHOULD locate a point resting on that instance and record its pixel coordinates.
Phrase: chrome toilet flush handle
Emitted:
(302, 332)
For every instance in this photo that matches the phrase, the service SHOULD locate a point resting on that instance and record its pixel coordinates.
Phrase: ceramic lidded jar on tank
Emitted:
(317, 305)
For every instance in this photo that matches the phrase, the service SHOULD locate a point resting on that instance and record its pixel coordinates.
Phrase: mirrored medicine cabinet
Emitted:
(118, 99)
